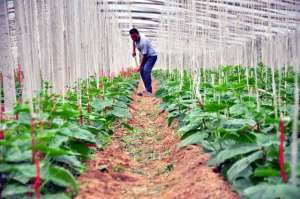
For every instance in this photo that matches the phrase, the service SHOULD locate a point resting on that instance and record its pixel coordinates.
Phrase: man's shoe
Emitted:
(148, 94)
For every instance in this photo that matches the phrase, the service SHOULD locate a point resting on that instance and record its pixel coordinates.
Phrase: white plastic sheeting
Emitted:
(213, 32)
(60, 41)
(6, 59)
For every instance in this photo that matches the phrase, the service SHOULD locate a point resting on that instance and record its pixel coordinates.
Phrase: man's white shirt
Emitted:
(145, 46)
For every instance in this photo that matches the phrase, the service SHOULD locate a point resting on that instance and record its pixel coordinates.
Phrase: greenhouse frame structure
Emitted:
(64, 41)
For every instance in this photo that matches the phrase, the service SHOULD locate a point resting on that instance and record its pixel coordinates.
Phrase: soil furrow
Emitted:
(142, 162)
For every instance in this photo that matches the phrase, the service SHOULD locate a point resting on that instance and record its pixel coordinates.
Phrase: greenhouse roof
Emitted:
(225, 21)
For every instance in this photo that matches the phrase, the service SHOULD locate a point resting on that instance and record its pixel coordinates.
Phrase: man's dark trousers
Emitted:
(146, 72)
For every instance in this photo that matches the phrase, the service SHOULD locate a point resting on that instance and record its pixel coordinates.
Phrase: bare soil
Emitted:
(142, 162)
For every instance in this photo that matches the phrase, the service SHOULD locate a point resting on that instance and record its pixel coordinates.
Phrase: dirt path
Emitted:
(142, 162)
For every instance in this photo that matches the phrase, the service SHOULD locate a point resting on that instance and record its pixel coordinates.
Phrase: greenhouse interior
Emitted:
(150, 99)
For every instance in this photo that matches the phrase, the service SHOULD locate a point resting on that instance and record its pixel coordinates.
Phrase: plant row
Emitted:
(233, 118)
(45, 147)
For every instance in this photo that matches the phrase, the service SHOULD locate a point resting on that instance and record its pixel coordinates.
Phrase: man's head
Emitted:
(134, 34)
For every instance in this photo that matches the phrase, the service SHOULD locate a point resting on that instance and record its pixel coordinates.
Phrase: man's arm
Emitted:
(143, 59)
(133, 50)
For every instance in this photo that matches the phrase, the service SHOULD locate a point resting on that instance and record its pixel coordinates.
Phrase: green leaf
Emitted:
(67, 111)
(207, 146)
(100, 105)
(172, 107)
(121, 112)
(170, 119)
(71, 161)
(214, 107)
(58, 121)
(15, 154)
(172, 116)
(80, 148)
(242, 164)
(238, 123)
(56, 196)
(52, 151)
(24, 171)
(161, 92)
(238, 109)
(191, 126)
(25, 168)
(58, 140)
(62, 177)
(120, 104)
(195, 138)
(266, 140)
(265, 191)
(19, 177)
(232, 152)
(240, 184)
(79, 133)
(265, 172)
(47, 135)
(221, 88)
(15, 189)
(24, 118)
(22, 107)
(246, 173)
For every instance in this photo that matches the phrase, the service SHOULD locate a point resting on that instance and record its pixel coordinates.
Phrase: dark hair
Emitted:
(133, 30)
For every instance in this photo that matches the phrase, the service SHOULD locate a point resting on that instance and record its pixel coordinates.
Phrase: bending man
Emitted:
(148, 59)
